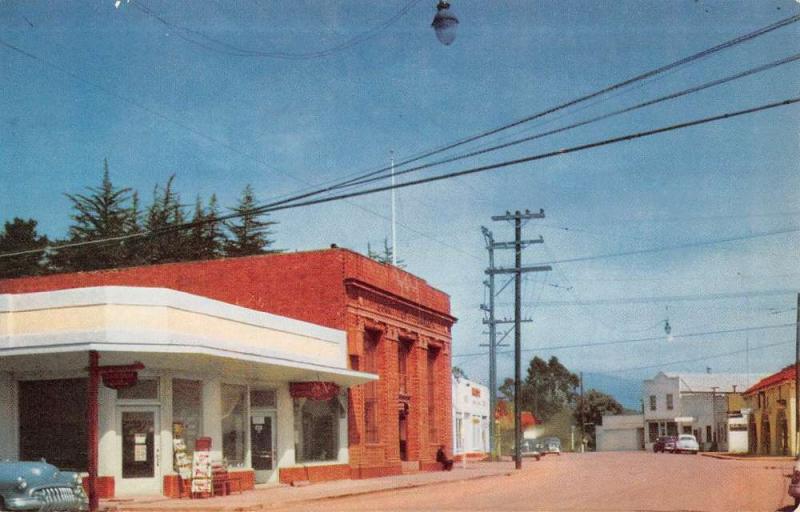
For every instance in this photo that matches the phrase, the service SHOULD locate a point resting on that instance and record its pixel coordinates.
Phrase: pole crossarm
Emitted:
(506, 321)
(500, 270)
(518, 215)
(513, 245)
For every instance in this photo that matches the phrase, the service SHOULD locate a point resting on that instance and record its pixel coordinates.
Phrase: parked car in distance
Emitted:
(794, 485)
(665, 444)
(687, 443)
(40, 486)
(550, 445)
(528, 449)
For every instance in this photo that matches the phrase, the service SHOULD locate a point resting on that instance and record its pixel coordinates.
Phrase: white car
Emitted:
(686, 443)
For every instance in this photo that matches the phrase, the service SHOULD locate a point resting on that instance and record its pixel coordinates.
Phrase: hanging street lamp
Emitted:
(445, 23)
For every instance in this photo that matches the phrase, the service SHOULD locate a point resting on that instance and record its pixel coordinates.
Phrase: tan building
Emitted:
(772, 420)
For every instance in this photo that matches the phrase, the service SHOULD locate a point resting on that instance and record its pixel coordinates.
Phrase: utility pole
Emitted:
(714, 445)
(517, 272)
(583, 433)
(394, 231)
(797, 381)
(492, 347)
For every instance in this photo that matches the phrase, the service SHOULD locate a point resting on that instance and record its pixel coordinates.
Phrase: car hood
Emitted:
(36, 474)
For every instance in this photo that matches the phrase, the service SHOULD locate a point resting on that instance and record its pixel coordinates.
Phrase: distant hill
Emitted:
(627, 392)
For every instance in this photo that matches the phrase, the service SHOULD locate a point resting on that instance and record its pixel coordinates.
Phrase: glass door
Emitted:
(139, 435)
(263, 447)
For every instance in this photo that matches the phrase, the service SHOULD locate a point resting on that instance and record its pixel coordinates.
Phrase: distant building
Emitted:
(692, 403)
(470, 419)
(620, 433)
(772, 421)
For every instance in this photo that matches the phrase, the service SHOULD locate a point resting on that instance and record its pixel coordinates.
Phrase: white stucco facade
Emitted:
(690, 404)
(470, 417)
(224, 355)
(620, 433)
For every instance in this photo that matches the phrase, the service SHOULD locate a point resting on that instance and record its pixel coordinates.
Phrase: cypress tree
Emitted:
(20, 235)
(102, 213)
(250, 234)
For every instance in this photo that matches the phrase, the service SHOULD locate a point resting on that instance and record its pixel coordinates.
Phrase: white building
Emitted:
(243, 378)
(470, 419)
(620, 433)
(691, 404)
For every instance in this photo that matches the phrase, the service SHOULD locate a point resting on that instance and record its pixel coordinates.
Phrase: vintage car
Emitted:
(527, 449)
(550, 445)
(40, 486)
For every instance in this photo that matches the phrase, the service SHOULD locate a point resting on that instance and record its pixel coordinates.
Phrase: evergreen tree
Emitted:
(249, 233)
(166, 242)
(20, 235)
(384, 257)
(102, 213)
(205, 238)
(548, 388)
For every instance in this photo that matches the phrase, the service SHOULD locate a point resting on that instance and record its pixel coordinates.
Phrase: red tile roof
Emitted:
(785, 375)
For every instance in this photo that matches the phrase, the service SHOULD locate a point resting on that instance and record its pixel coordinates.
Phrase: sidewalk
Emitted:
(745, 456)
(265, 497)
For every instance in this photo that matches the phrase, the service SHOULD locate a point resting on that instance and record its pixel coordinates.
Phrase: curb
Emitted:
(724, 456)
(385, 489)
(271, 506)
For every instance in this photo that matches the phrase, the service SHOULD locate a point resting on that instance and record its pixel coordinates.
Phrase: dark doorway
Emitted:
(403, 428)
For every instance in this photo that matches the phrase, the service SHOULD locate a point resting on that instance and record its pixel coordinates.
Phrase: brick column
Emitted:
(389, 416)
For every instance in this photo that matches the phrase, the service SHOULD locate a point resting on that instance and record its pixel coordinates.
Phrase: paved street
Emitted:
(598, 482)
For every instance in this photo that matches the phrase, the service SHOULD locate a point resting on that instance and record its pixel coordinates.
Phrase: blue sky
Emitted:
(118, 84)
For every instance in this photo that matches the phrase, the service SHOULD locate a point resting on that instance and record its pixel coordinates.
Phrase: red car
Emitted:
(665, 444)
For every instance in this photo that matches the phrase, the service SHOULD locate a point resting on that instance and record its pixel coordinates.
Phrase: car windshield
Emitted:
(687, 438)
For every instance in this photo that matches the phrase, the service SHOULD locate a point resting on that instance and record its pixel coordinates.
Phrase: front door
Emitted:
(263, 447)
(140, 472)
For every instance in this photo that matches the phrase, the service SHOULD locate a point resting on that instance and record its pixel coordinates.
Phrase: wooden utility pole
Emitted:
(517, 271)
(797, 381)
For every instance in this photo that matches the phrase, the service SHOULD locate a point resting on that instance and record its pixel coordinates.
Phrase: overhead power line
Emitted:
(705, 358)
(602, 117)
(667, 298)
(638, 340)
(619, 85)
(689, 245)
(194, 131)
(225, 48)
(431, 179)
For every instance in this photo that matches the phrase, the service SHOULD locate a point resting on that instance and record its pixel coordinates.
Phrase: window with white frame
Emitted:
(316, 429)
(187, 411)
(233, 423)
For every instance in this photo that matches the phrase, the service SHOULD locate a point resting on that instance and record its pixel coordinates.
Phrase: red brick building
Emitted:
(396, 325)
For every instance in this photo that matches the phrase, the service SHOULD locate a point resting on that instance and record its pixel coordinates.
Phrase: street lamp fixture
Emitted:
(444, 23)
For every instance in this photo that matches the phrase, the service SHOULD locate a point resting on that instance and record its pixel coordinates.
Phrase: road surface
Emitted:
(609, 481)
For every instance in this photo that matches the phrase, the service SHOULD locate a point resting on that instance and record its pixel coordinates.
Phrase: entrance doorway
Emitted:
(403, 427)
(263, 444)
(139, 441)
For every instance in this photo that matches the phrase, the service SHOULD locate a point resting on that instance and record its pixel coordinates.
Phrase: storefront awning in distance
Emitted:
(167, 329)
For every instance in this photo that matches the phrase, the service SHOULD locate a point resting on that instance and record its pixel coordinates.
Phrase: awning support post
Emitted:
(91, 418)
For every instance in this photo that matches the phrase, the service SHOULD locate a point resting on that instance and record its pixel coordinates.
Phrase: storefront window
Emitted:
(52, 422)
(316, 425)
(233, 424)
(187, 412)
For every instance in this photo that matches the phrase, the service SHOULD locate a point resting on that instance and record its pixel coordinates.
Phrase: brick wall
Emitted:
(336, 288)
